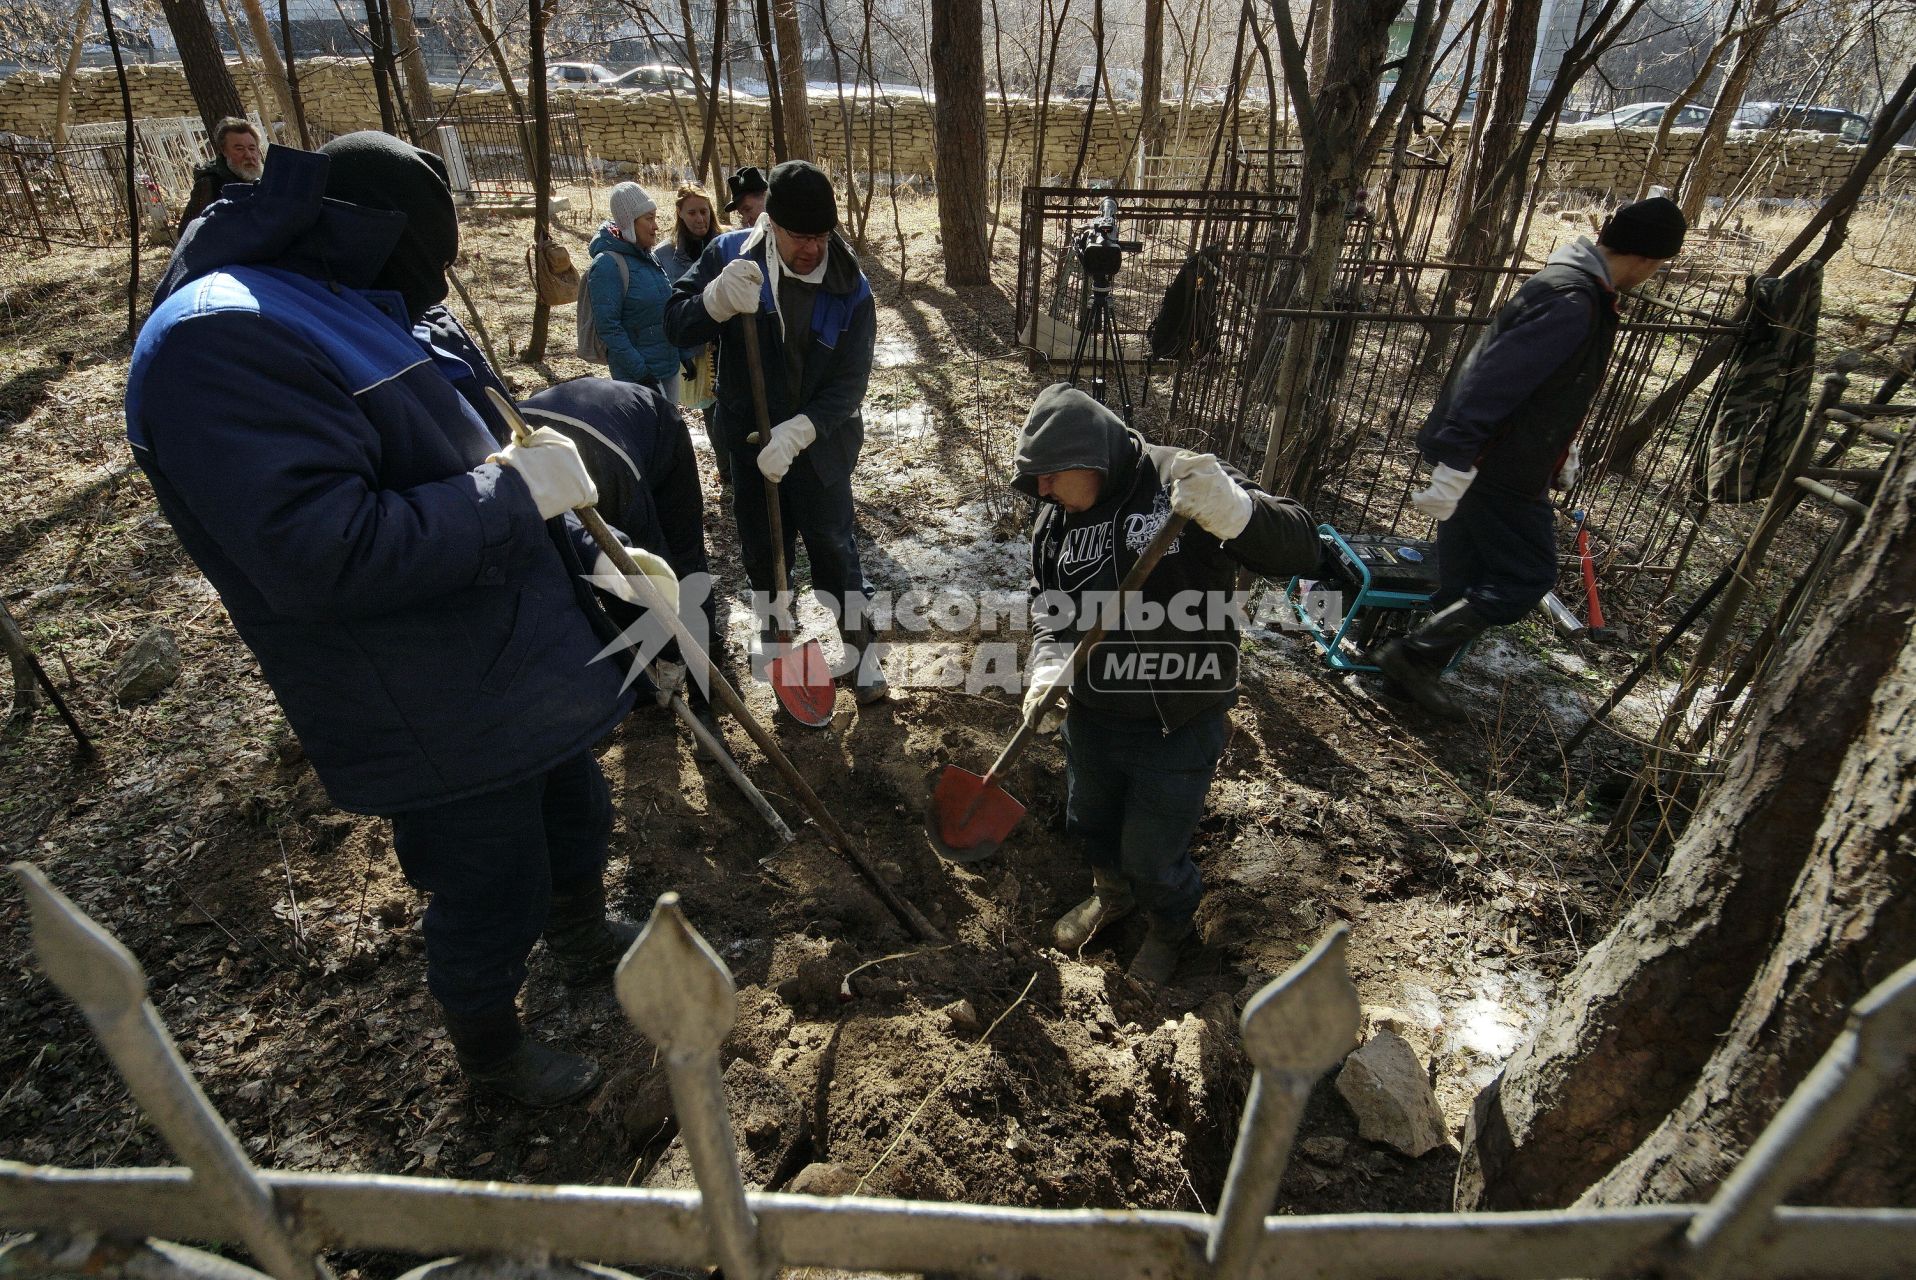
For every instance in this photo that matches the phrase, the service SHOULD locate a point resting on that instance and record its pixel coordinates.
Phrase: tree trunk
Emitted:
(958, 119)
(424, 116)
(794, 102)
(1091, 103)
(1151, 114)
(255, 82)
(214, 92)
(708, 145)
(64, 102)
(774, 88)
(382, 67)
(1496, 138)
(541, 166)
(1811, 810)
(292, 75)
(490, 38)
(132, 183)
(1709, 148)
(269, 59)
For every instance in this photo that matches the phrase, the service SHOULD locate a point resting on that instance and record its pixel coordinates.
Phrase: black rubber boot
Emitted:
(1110, 902)
(1416, 662)
(586, 943)
(497, 1055)
(867, 673)
(1157, 959)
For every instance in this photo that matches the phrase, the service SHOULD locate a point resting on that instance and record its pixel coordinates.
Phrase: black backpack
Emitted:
(1186, 324)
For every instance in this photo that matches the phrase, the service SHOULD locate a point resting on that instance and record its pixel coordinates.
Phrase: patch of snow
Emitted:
(891, 353)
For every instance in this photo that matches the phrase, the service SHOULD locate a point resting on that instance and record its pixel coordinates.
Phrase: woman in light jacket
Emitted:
(629, 307)
(695, 225)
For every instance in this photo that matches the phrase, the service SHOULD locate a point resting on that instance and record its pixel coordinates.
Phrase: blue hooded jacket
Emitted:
(631, 322)
(416, 619)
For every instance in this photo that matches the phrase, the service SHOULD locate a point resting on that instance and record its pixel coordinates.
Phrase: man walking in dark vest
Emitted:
(1504, 432)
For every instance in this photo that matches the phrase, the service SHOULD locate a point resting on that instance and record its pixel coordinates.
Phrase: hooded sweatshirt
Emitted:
(1515, 403)
(1174, 655)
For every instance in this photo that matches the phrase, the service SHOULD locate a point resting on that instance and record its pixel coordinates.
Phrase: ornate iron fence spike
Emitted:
(1868, 1053)
(1297, 1028)
(90, 966)
(673, 985)
(680, 995)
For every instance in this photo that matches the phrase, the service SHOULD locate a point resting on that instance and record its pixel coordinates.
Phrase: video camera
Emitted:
(1100, 253)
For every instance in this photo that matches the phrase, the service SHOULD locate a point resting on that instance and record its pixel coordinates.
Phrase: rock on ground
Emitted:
(1389, 1092)
(149, 667)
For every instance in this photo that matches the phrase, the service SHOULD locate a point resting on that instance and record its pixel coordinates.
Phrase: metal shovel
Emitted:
(800, 677)
(970, 816)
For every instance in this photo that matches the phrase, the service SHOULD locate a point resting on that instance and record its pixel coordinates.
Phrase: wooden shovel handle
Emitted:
(1081, 654)
(755, 371)
(697, 659)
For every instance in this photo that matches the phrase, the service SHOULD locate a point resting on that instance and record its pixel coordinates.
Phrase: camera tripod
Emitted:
(1098, 339)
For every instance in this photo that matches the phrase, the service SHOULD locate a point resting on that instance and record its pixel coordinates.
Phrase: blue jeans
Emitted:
(1134, 795)
(492, 864)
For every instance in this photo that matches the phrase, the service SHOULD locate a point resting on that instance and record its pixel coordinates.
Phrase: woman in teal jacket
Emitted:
(628, 306)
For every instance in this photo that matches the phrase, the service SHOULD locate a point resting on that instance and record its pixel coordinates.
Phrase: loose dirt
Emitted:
(283, 947)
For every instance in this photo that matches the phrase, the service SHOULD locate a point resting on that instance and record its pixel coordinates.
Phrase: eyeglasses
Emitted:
(818, 241)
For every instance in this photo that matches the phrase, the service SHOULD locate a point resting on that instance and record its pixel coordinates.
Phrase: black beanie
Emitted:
(1653, 228)
(378, 171)
(801, 198)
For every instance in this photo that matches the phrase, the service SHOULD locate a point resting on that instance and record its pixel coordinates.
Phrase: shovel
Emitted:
(802, 679)
(726, 696)
(970, 816)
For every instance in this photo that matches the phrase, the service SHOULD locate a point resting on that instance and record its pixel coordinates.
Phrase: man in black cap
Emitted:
(748, 189)
(797, 279)
(1504, 432)
(316, 430)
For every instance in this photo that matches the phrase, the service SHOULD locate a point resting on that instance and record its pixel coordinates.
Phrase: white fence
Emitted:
(115, 1223)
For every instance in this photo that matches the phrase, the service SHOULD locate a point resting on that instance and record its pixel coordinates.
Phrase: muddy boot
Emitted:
(497, 1055)
(1415, 663)
(586, 944)
(1157, 959)
(1110, 901)
(867, 673)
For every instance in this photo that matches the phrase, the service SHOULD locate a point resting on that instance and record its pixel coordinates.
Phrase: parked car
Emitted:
(1847, 125)
(658, 77)
(578, 75)
(1640, 115)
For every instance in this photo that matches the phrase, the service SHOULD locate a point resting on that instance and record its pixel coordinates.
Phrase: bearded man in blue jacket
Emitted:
(315, 427)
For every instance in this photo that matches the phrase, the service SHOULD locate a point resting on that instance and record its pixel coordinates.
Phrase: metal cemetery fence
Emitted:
(74, 195)
(113, 1224)
(486, 154)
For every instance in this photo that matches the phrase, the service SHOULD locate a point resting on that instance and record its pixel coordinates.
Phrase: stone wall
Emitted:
(896, 137)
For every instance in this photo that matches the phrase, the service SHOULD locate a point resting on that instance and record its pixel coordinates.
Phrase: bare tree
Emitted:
(404, 32)
(214, 92)
(1729, 96)
(269, 58)
(132, 181)
(81, 13)
(958, 116)
(795, 103)
(1342, 129)
(540, 15)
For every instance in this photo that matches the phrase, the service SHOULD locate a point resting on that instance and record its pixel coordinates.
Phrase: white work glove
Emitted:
(1211, 499)
(1447, 485)
(734, 291)
(1572, 467)
(789, 439)
(1047, 664)
(549, 464)
(606, 575)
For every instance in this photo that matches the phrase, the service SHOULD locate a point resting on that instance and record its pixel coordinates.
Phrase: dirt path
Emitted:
(283, 947)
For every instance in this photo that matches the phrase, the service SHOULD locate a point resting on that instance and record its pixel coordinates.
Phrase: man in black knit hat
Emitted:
(797, 279)
(1504, 432)
(316, 429)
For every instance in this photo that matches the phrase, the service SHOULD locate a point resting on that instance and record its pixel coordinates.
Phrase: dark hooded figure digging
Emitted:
(1146, 719)
(315, 427)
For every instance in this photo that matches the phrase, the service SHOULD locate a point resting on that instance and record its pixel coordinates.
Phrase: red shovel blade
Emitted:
(967, 820)
(803, 681)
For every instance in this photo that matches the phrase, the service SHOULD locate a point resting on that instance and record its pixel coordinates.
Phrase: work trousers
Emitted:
(1499, 552)
(808, 507)
(1134, 795)
(491, 864)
